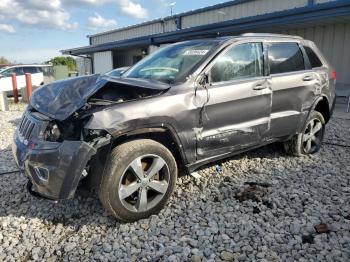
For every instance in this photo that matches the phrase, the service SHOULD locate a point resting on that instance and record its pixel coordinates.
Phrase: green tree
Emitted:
(4, 61)
(64, 60)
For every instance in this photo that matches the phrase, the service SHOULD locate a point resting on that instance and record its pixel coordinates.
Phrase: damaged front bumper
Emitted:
(53, 168)
(56, 172)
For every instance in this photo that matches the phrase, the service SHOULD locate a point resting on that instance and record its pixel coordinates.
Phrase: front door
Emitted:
(237, 113)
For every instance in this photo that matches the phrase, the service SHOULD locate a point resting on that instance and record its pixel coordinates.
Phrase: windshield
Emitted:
(173, 63)
(3, 69)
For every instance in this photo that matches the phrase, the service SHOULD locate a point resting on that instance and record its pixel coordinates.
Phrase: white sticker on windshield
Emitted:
(196, 52)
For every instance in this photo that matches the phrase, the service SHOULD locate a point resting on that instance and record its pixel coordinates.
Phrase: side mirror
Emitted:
(204, 79)
(201, 93)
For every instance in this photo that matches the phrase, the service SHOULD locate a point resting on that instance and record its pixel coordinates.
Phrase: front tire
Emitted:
(139, 179)
(309, 141)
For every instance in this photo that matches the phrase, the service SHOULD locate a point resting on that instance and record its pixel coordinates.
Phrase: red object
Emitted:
(32, 145)
(334, 75)
(29, 85)
(14, 87)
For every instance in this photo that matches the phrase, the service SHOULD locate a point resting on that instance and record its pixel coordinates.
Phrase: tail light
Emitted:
(334, 75)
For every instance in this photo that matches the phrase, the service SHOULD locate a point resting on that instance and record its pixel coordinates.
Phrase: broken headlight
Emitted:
(53, 133)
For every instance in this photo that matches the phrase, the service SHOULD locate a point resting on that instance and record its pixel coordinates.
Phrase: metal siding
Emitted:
(169, 26)
(337, 50)
(309, 33)
(246, 9)
(323, 1)
(333, 40)
(328, 40)
(345, 67)
(149, 29)
(103, 62)
(83, 66)
(234, 11)
(318, 36)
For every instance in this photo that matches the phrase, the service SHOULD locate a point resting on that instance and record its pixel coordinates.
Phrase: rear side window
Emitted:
(313, 58)
(241, 61)
(31, 70)
(285, 57)
(19, 71)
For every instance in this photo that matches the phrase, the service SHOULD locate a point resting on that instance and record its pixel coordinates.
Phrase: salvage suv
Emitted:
(183, 106)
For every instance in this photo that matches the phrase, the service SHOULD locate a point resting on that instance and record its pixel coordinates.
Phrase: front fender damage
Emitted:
(56, 173)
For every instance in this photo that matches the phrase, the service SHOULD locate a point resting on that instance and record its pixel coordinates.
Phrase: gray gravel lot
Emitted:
(204, 220)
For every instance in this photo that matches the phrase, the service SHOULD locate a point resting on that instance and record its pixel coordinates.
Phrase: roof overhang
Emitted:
(304, 16)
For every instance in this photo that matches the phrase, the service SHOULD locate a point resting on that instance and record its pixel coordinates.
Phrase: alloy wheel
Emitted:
(312, 136)
(144, 183)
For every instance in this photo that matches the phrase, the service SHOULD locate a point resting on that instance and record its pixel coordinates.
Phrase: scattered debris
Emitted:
(255, 192)
(196, 175)
(145, 226)
(258, 184)
(218, 169)
(322, 228)
(307, 239)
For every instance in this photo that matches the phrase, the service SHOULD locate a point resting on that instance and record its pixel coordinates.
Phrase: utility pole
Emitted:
(171, 8)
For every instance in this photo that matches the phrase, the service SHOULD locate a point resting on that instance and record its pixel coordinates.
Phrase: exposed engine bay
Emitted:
(62, 99)
(69, 124)
(114, 93)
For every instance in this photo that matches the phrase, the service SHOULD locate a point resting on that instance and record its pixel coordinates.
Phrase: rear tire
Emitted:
(139, 179)
(309, 141)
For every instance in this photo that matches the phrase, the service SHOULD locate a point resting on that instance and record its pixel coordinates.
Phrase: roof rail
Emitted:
(271, 35)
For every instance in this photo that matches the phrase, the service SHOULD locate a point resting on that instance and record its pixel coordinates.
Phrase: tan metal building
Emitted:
(327, 22)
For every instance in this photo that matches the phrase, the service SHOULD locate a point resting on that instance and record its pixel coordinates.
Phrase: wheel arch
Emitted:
(162, 134)
(322, 105)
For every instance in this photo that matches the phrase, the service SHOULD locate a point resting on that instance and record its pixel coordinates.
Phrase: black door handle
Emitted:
(260, 86)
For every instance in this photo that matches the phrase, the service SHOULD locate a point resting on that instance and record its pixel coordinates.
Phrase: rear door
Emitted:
(293, 87)
(237, 113)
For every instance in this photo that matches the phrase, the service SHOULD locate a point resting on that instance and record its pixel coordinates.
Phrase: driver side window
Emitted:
(241, 61)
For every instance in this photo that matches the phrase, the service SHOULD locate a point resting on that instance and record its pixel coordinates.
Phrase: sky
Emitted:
(33, 31)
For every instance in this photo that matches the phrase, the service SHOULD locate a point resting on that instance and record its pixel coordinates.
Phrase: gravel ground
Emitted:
(216, 217)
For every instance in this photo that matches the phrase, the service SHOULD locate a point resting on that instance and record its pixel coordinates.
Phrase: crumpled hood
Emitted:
(60, 99)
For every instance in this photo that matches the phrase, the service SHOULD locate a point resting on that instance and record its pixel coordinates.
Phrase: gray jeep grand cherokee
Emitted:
(188, 104)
